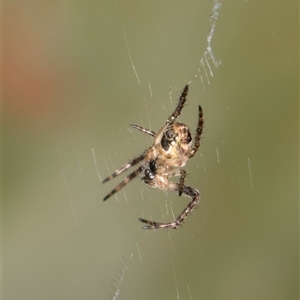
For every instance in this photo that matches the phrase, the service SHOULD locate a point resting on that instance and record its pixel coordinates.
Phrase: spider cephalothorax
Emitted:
(176, 141)
(171, 149)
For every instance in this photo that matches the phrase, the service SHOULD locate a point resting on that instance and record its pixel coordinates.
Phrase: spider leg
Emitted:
(198, 134)
(179, 107)
(150, 132)
(174, 115)
(125, 181)
(124, 168)
(181, 181)
(188, 191)
(182, 173)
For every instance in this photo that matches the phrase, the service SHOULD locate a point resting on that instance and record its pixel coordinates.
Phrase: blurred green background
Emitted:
(70, 92)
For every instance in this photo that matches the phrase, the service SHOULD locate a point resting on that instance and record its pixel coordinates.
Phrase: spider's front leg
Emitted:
(179, 107)
(174, 115)
(198, 133)
(188, 191)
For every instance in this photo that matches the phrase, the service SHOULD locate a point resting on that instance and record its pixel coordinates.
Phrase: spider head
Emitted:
(176, 140)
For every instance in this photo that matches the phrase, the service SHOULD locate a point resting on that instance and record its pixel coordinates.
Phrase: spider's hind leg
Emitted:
(182, 173)
(124, 182)
(125, 167)
(188, 191)
(181, 181)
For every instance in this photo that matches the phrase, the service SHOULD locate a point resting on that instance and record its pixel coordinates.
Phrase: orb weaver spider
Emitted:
(170, 150)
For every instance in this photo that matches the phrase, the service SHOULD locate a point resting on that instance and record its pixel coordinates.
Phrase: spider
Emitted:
(169, 152)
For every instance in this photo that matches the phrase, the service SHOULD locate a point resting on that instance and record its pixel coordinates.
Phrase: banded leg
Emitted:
(179, 107)
(195, 197)
(174, 115)
(182, 174)
(198, 134)
(181, 181)
(124, 168)
(125, 181)
(150, 132)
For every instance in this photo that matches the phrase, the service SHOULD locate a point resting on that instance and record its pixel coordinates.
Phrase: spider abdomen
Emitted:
(150, 171)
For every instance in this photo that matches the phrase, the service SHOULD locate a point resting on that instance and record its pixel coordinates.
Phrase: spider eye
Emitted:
(169, 134)
(167, 138)
(188, 137)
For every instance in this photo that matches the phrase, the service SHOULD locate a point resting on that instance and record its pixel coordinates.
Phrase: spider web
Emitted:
(76, 75)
